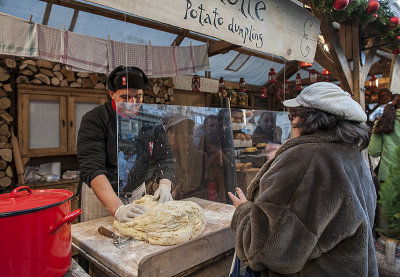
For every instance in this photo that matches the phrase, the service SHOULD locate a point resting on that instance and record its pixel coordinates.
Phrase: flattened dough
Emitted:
(167, 223)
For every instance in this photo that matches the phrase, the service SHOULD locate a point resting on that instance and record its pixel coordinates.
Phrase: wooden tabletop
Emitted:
(143, 259)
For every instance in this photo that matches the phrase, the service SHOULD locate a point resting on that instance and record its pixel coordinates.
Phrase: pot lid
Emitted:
(24, 200)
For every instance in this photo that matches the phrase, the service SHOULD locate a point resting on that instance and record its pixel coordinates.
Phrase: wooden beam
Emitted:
(47, 12)
(345, 75)
(370, 55)
(380, 67)
(324, 58)
(73, 20)
(261, 55)
(179, 38)
(345, 38)
(151, 24)
(220, 47)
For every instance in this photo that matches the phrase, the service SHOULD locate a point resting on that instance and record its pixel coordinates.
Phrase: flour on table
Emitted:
(166, 223)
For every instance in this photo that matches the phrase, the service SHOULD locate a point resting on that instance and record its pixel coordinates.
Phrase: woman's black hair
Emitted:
(314, 120)
(136, 78)
(385, 123)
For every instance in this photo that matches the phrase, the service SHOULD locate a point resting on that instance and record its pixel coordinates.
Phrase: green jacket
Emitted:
(383, 145)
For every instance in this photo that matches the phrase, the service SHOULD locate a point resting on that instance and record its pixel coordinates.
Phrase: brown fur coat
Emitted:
(310, 212)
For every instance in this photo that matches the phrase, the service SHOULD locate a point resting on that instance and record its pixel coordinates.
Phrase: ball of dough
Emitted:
(166, 223)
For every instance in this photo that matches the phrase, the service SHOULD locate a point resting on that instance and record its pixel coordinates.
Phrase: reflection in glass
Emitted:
(193, 136)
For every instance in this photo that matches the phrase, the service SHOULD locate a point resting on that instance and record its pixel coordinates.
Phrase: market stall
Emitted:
(221, 131)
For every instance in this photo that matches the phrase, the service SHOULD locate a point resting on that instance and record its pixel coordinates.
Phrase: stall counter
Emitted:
(143, 259)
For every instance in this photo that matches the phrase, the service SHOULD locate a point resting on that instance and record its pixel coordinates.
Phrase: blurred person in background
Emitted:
(267, 131)
(386, 137)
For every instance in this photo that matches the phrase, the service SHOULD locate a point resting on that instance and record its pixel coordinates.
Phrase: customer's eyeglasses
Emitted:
(291, 116)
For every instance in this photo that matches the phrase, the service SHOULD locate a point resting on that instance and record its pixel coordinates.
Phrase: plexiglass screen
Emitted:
(206, 152)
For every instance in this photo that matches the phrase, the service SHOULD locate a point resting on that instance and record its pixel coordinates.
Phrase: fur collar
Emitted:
(320, 137)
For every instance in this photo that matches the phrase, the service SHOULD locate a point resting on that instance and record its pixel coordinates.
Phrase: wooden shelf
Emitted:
(54, 184)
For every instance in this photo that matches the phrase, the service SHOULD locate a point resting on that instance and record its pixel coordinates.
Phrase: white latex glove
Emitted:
(163, 193)
(128, 212)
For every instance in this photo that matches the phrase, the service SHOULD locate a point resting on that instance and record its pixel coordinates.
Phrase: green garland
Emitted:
(357, 9)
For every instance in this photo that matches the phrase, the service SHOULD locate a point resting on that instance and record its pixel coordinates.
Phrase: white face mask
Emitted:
(128, 109)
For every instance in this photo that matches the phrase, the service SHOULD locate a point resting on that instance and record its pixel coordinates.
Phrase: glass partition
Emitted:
(207, 151)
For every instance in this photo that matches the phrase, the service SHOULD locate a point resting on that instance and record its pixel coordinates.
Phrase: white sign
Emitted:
(278, 27)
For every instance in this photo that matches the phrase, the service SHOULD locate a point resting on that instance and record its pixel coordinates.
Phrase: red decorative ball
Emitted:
(393, 22)
(375, 15)
(340, 4)
(373, 6)
(396, 51)
(398, 37)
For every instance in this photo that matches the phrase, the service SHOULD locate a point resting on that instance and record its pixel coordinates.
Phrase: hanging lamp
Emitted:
(272, 76)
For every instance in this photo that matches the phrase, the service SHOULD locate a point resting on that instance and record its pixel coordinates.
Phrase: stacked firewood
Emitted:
(159, 91)
(42, 72)
(6, 153)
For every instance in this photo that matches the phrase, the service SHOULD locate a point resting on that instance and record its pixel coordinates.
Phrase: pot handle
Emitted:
(66, 219)
(17, 189)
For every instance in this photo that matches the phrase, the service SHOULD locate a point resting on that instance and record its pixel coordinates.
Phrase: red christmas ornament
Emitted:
(375, 15)
(396, 51)
(340, 4)
(398, 37)
(393, 22)
(373, 6)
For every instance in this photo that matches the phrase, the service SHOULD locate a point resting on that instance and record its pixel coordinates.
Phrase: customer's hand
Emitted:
(237, 201)
(163, 193)
(128, 212)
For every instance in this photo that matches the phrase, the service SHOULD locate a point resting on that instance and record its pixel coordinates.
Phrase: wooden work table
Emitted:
(143, 259)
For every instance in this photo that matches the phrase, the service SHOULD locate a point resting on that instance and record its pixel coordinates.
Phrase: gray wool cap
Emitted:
(329, 98)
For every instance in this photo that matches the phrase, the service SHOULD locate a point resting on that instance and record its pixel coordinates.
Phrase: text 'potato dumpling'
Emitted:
(166, 223)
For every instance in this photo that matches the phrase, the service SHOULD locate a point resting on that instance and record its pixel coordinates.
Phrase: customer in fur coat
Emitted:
(310, 210)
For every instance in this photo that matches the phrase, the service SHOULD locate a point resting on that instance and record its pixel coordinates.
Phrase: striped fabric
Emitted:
(89, 54)
(190, 59)
(164, 61)
(127, 54)
(85, 52)
(18, 37)
(51, 43)
(92, 207)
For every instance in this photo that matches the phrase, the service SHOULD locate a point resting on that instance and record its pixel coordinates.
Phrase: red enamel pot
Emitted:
(35, 232)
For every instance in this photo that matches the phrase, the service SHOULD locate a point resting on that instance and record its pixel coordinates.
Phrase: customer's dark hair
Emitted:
(385, 123)
(313, 120)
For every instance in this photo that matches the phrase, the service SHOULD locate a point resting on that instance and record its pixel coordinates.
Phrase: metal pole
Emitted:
(228, 154)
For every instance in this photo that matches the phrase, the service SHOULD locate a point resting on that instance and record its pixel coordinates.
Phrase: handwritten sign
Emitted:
(394, 85)
(278, 27)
